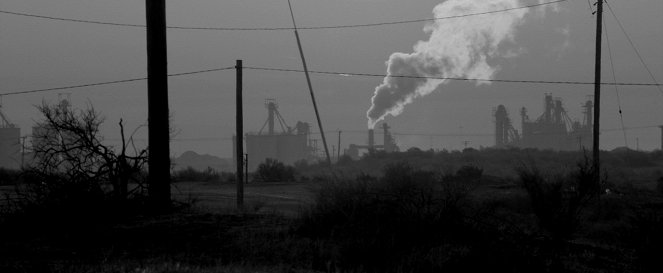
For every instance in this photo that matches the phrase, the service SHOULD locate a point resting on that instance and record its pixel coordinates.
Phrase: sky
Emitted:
(551, 43)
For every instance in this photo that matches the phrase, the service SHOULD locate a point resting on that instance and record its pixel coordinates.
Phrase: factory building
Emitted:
(389, 143)
(551, 130)
(288, 146)
(10, 144)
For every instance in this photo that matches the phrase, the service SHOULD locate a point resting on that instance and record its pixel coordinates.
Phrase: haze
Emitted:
(554, 43)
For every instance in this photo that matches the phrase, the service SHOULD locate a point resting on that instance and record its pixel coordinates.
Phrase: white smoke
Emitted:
(456, 48)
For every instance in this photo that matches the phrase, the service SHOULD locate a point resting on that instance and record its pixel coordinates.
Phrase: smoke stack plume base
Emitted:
(371, 139)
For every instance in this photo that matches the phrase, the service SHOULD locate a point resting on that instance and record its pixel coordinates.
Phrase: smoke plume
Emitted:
(457, 47)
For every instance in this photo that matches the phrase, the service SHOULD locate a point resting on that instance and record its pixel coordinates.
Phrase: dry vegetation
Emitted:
(470, 211)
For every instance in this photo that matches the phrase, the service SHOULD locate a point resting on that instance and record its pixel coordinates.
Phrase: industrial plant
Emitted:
(388, 144)
(289, 145)
(553, 129)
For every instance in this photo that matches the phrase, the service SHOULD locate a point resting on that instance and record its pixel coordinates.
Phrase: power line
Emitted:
(278, 28)
(70, 19)
(634, 47)
(106, 83)
(614, 78)
(342, 74)
(345, 74)
(435, 18)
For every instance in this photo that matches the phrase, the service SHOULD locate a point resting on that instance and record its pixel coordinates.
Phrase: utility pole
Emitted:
(23, 151)
(157, 104)
(310, 86)
(338, 156)
(333, 150)
(597, 88)
(239, 142)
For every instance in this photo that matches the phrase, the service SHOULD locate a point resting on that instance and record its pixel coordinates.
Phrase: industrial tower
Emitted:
(554, 129)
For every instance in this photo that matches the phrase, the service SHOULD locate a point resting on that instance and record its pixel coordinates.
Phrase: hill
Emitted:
(202, 162)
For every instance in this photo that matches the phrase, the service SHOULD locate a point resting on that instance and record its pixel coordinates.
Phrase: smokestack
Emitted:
(371, 139)
(386, 140)
(458, 48)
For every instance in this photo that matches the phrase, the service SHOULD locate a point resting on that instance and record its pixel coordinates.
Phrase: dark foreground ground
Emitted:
(205, 233)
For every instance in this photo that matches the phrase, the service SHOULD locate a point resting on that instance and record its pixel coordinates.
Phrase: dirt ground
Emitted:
(287, 198)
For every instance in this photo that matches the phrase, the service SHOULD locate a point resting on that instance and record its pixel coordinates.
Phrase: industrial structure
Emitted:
(389, 143)
(288, 146)
(10, 143)
(552, 130)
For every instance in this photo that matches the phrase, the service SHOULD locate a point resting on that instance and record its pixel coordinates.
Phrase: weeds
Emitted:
(208, 175)
(272, 171)
(559, 201)
(411, 219)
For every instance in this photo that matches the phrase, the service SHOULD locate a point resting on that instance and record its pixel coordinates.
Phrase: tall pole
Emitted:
(310, 87)
(239, 142)
(23, 151)
(157, 104)
(597, 87)
(338, 156)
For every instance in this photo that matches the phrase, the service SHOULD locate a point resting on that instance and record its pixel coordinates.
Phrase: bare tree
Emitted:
(68, 143)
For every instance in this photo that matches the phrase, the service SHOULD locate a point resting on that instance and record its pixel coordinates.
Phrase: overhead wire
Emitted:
(280, 28)
(614, 78)
(334, 73)
(628, 37)
(345, 74)
(107, 82)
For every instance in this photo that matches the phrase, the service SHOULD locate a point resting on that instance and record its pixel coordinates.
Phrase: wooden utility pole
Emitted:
(23, 151)
(310, 86)
(597, 88)
(338, 156)
(239, 140)
(157, 104)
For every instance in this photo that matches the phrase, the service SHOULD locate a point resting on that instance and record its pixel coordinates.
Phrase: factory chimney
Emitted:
(387, 137)
(371, 139)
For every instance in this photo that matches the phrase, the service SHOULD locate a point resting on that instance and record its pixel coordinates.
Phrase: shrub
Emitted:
(558, 201)
(272, 170)
(191, 174)
(69, 144)
(379, 222)
(344, 160)
(469, 173)
(9, 177)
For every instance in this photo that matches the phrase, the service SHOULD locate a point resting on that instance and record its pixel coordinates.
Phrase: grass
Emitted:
(189, 240)
(406, 219)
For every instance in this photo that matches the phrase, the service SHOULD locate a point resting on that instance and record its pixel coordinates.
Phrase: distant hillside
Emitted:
(201, 162)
